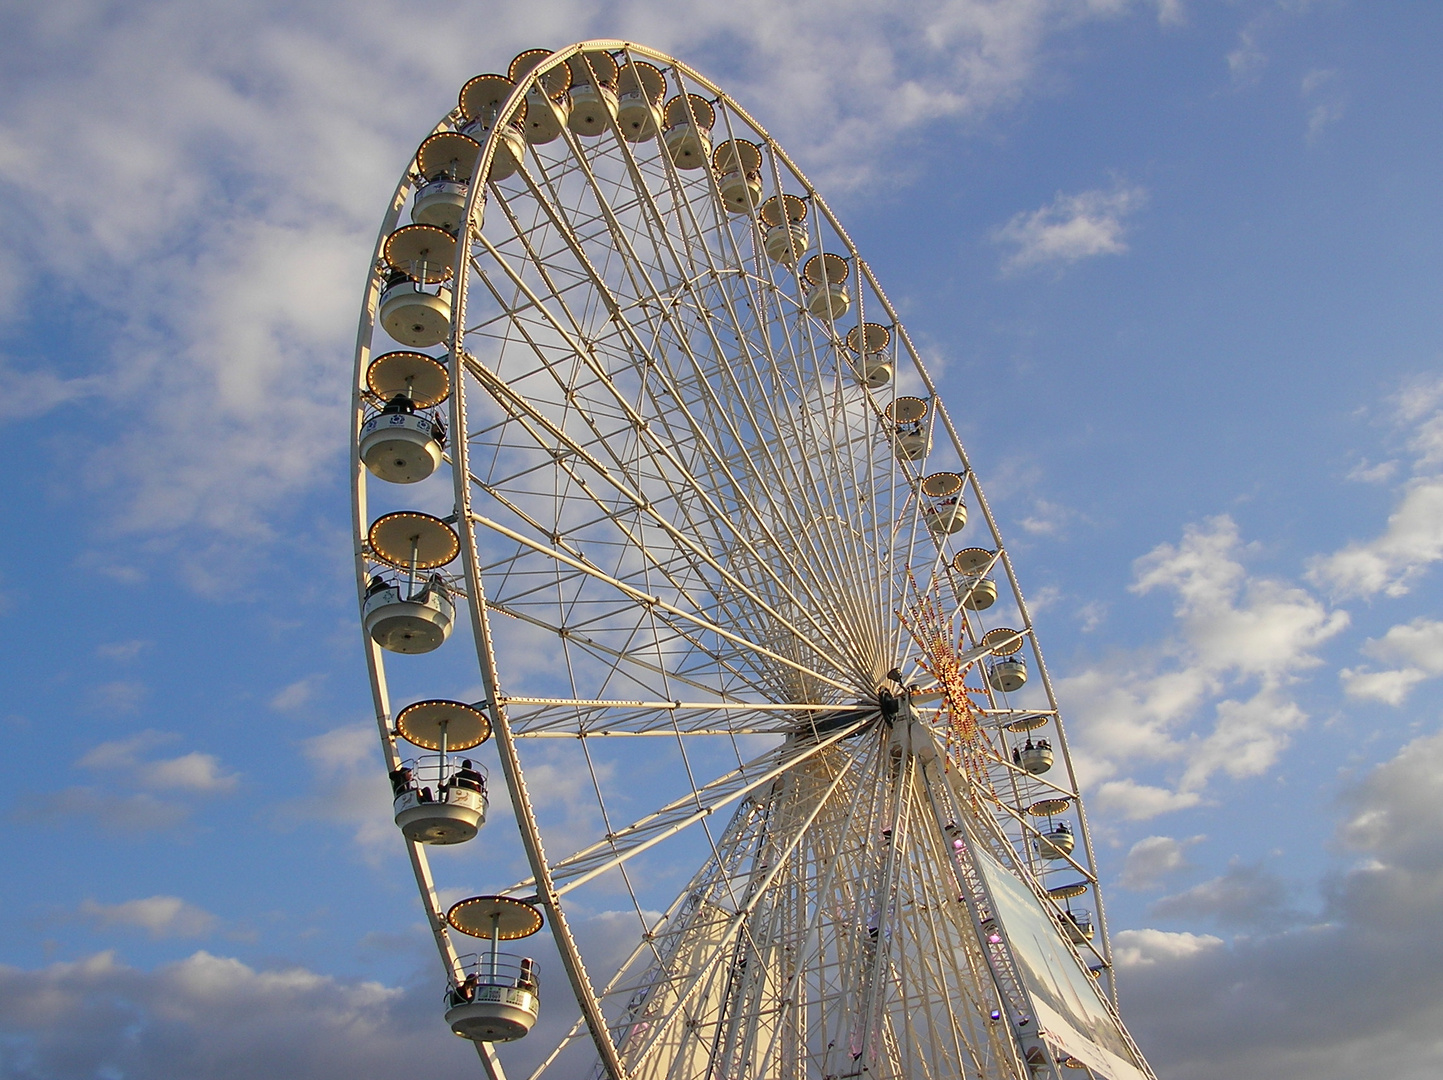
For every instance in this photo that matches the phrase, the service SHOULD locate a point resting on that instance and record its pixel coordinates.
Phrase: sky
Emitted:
(1176, 265)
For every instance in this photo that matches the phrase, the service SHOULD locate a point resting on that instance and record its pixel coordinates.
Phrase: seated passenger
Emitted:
(434, 584)
(400, 781)
(401, 403)
(438, 428)
(527, 978)
(378, 584)
(468, 777)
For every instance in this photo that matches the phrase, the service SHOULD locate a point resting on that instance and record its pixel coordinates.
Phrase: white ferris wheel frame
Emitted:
(551, 881)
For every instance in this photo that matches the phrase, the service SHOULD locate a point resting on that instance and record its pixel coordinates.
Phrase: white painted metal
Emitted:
(701, 582)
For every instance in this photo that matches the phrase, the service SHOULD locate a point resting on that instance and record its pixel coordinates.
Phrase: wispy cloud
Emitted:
(1324, 99)
(1214, 696)
(349, 789)
(1417, 647)
(1391, 563)
(213, 1016)
(194, 772)
(1246, 60)
(297, 694)
(1271, 1001)
(246, 158)
(158, 916)
(1070, 228)
(1246, 897)
(1153, 859)
(122, 652)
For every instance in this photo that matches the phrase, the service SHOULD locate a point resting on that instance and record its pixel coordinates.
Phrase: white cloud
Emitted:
(1211, 698)
(1366, 472)
(122, 651)
(1140, 802)
(1171, 13)
(1417, 646)
(1231, 621)
(117, 696)
(1246, 896)
(1069, 228)
(1091, 615)
(296, 694)
(210, 1017)
(246, 155)
(349, 790)
(105, 810)
(1418, 643)
(189, 772)
(1389, 687)
(1358, 991)
(195, 772)
(1324, 98)
(1391, 563)
(1142, 948)
(159, 916)
(1246, 60)
(1396, 811)
(1154, 858)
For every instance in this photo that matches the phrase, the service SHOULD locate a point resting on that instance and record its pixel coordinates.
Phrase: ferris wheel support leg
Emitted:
(489, 1061)
(903, 775)
(948, 811)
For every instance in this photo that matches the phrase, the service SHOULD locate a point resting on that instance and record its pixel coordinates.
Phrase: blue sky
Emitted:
(1176, 265)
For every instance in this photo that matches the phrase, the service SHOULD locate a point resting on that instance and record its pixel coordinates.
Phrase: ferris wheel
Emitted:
(751, 667)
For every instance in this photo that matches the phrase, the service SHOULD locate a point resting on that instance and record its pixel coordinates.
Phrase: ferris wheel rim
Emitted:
(542, 879)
